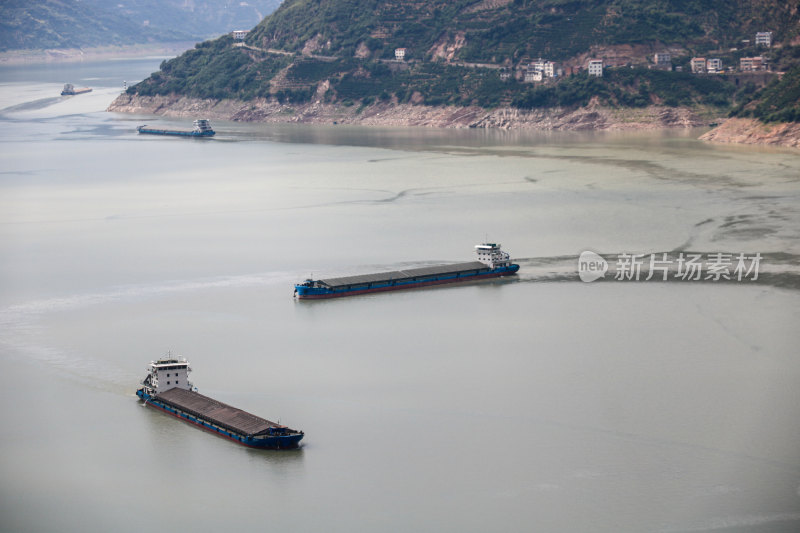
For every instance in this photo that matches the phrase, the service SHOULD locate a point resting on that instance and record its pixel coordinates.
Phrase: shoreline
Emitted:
(592, 117)
(753, 131)
(99, 53)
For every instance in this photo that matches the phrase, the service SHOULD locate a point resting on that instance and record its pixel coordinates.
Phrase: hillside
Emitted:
(473, 53)
(47, 24)
(768, 116)
(778, 102)
(503, 31)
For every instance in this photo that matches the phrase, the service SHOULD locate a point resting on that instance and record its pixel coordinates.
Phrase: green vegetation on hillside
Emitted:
(777, 102)
(507, 31)
(626, 87)
(343, 51)
(217, 69)
(434, 84)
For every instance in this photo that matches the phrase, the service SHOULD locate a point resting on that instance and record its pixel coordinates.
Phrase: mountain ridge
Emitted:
(60, 24)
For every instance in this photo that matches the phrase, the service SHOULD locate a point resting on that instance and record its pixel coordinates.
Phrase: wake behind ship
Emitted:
(492, 262)
(167, 387)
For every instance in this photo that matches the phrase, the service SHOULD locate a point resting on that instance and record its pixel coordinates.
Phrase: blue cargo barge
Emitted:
(201, 128)
(492, 262)
(167, 388)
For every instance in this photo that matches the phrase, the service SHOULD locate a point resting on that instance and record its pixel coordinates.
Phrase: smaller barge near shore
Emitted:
(167, 388)
(492, 262)
(70, 90)
(201, 128)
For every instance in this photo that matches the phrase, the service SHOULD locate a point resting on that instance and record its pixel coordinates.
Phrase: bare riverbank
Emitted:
(752, 131)
(592, 117)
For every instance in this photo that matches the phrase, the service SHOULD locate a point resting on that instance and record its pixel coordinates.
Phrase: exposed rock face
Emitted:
(488, 4)
(446, 49)
(752, 131)
(593, 117)
(312, 45)
(622, 54)
(362, 51)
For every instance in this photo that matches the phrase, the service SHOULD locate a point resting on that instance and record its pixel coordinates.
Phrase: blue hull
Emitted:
(318, 293)
(178, 133)
(270, 442)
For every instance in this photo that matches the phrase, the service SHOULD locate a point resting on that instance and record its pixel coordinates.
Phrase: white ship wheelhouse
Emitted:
(167, 373)
(491, 254)
(201, 125)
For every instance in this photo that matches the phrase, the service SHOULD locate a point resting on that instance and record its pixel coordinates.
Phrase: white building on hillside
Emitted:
(662, 60)
(533, 73)
(764, 38)
(698, 65)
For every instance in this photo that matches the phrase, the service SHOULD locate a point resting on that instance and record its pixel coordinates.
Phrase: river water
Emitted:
(539, 403)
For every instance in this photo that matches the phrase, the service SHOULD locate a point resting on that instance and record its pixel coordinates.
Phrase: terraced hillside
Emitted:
(505, 30)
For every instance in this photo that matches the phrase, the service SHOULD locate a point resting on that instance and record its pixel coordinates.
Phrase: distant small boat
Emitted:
(202, 128)
(70, 90)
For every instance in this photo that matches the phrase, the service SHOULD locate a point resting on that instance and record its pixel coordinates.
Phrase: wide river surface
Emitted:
(535, 403)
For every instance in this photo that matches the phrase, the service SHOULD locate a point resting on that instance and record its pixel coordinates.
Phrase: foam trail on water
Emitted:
(21, 331)
(739, 522)
(135, 292)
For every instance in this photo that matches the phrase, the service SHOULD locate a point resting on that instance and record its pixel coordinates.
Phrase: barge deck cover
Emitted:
(216, 412)
(404, 274)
